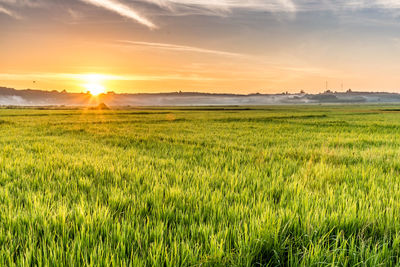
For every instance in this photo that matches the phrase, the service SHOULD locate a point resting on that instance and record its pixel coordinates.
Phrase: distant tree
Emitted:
(349, 91)
(302, 92)
(101, 106)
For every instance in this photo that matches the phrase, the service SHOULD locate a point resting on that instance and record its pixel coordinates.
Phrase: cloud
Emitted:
(348, 4)
(388, 4)
(224, 6)
(291, 6)
(74, 14)
(181, 48)
(201, 7)
(122, 10)
(24, 3)
(288, 5)
(103, 77)
(9, 13)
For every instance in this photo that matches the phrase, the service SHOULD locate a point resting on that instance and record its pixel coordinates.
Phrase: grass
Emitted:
(265, 186)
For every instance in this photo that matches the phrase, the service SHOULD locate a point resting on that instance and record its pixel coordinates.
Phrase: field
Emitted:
(275, 186)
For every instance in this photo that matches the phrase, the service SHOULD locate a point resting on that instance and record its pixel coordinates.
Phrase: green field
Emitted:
(276, 186)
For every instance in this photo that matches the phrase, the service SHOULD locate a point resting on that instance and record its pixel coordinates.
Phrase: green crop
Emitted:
(273, 186)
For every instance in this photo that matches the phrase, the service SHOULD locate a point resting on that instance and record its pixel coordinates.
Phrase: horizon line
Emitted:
(285, 92)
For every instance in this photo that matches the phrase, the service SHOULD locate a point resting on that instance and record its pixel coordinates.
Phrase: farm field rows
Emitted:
(273, 186)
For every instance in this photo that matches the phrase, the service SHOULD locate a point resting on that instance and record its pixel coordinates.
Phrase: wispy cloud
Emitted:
(9, 13)
(24, 3)
(127, 8)
(123, 10)
(224, 6)
(347, 4)
(175, 6)
(103, 77)
(180, 48)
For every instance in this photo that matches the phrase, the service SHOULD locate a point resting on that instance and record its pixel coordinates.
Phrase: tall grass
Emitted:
(278, 186)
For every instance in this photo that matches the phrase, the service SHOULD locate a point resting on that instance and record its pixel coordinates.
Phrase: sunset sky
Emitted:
(236, 46)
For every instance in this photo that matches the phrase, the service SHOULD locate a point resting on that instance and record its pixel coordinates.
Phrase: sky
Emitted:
(218, 46)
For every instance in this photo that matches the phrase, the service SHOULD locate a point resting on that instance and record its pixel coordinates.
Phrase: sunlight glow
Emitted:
(94, 84)
(95, 89)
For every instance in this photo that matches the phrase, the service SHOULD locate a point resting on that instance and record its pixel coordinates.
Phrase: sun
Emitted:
(95, 88)
(94, 84)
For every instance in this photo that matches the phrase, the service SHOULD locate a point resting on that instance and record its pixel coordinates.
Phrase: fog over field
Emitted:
(9, 96)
